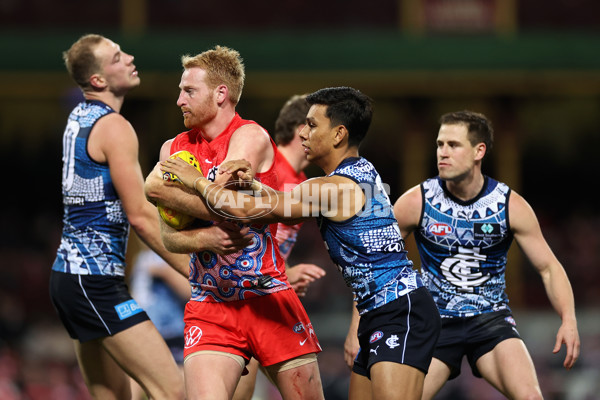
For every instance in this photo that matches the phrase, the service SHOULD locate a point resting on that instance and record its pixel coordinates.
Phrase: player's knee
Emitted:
(174, 390)
(100, 392)
(533, 393)
(173, 394)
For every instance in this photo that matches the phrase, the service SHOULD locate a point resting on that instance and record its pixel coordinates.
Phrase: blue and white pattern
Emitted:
(95, 227)
(367, 247)
(463, 248)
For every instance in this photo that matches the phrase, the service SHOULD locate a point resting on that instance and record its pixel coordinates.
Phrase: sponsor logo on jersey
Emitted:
(128, 309)
(486, 230)
(376, 336)
(440, 229)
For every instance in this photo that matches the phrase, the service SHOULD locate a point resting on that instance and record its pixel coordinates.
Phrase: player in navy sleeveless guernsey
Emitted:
(399, 323)
(102, 187)
(464, 223)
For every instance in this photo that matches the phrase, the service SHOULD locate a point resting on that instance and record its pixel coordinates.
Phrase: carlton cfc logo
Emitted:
(440, 229)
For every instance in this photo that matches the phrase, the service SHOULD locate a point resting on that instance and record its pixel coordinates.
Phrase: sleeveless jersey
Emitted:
(368, 248)
(288, 178)
(463, 248)
(95, 227)
(253, 271)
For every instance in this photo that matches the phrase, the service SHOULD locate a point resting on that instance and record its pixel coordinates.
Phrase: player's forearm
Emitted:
(146, 225)
(178, 197)
(560, 292)
(182, 241)
(241, 206)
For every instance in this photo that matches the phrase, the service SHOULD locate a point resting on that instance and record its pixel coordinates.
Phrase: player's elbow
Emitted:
(151, 191)
(154, 189)
(173, 247)
(139, 223)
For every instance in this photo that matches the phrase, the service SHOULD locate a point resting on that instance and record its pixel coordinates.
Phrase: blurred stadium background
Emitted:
(532, 66)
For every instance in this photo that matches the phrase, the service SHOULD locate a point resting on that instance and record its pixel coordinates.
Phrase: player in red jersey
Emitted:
(242, 304)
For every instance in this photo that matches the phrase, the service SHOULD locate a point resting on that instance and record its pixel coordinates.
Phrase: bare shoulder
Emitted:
(409, 200)
(251, 133)
(520, 213)
(253, 144)
(408, 208)
(112, 136)
(114, 124)
(165, 149)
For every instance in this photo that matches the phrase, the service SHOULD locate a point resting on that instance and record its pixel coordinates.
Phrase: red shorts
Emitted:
(271, 328)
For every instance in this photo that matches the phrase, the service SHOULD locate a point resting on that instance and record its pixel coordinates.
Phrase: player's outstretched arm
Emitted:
(528, 234)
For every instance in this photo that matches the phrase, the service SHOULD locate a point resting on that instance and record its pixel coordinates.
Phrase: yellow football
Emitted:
(186, 156)
(173, 218)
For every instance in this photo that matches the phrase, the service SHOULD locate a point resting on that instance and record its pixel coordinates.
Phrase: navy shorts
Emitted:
(93, 306)
(404, 331)
(473, 337)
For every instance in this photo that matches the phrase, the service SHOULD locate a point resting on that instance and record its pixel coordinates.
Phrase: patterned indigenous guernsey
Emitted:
(368, 247)
(95, 227)
(253, 271)
(463, 248)
(288, 178)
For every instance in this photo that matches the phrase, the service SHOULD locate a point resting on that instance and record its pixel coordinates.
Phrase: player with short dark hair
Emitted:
(464, 223)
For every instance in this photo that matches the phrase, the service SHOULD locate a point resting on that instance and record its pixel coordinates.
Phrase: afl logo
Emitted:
(376, 336)
(440, 229)
(299, 327)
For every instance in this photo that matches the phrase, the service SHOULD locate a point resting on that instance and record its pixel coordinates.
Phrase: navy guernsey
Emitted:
(367, 247)
(463, 248)
(95, 227)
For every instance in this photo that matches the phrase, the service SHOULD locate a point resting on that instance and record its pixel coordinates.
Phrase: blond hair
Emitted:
(223, 66)
(80, 60)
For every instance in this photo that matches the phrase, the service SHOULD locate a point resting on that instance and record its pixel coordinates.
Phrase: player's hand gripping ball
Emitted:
(185, 156)
(173, 218)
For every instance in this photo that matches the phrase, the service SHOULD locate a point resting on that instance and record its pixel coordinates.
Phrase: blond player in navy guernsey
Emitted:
(399, 322)
(103, 196)
(464, 223)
